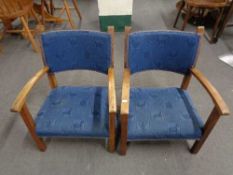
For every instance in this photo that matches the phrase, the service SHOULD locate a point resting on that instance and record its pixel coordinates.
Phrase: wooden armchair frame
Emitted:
(20, 106)
(220, 107)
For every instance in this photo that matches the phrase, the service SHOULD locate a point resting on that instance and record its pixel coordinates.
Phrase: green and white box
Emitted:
(117, 13)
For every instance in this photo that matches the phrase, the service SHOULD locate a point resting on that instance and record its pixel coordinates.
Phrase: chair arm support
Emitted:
(125, 93)
(112, 91)
(21, 98)
(214, 94)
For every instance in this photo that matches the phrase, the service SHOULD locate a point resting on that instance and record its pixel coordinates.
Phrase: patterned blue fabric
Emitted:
(69, 50)
(74, 111)
(169, 51)
(166, 113)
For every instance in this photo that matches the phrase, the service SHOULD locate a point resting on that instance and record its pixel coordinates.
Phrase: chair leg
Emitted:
(67, 8)
(27, 118)
(214, 34)
(30, 36)
(47, 6)
(124, 131)
(111, 140)
(51, 7)
(42, 11)
(187, 16)
(77, 9)
(178, 14)
(211, 122)
(35, 16)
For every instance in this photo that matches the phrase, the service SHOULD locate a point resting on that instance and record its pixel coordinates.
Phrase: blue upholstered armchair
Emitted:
(87, 112)
(165, 113)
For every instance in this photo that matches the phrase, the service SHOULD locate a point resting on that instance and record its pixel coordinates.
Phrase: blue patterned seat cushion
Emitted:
(166, 113)
(74, 112)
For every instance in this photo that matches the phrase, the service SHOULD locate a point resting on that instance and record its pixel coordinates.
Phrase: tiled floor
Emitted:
(18, 154)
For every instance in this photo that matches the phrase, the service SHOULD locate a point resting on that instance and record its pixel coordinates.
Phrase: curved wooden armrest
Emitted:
(21, 98)
(214, 94)
(125, 93)
(112, 91)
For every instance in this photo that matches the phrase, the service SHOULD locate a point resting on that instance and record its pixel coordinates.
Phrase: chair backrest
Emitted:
(162, 50)
(71, 50)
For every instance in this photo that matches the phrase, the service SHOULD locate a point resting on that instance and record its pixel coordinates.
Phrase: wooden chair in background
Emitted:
(11, 10)
(50, 10)
(165, 113)
(198, 8)
(87, 112)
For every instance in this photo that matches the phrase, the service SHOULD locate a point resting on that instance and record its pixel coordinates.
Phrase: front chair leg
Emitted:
(112, 133)
(27, 118)
(211, 122)
(124, 133)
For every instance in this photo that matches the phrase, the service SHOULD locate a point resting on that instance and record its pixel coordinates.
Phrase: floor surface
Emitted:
(19, 155)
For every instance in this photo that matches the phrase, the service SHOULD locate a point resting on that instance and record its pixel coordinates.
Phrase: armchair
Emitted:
(165, 113)
(87, 112)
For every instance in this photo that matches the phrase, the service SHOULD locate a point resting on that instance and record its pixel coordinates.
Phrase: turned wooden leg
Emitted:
(77, 9)
(187, 16)
(29, 34)
(28, 120)
(67, 8)
(178, 14)
(124, 134)
(112, 137)
(211, 122)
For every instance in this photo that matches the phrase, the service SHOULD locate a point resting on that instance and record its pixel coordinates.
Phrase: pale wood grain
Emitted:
(214, 94)
(21, 98)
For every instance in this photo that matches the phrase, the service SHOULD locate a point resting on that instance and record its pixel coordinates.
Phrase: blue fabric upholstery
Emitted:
(170, 51)
(69, 50)
(166, 113)
(74, 111)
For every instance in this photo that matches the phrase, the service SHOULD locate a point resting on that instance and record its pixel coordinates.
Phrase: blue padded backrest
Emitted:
(70, 50)
(162, 50)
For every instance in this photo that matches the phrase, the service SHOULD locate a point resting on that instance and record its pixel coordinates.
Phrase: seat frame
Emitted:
(220, 108)
(20, 106)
